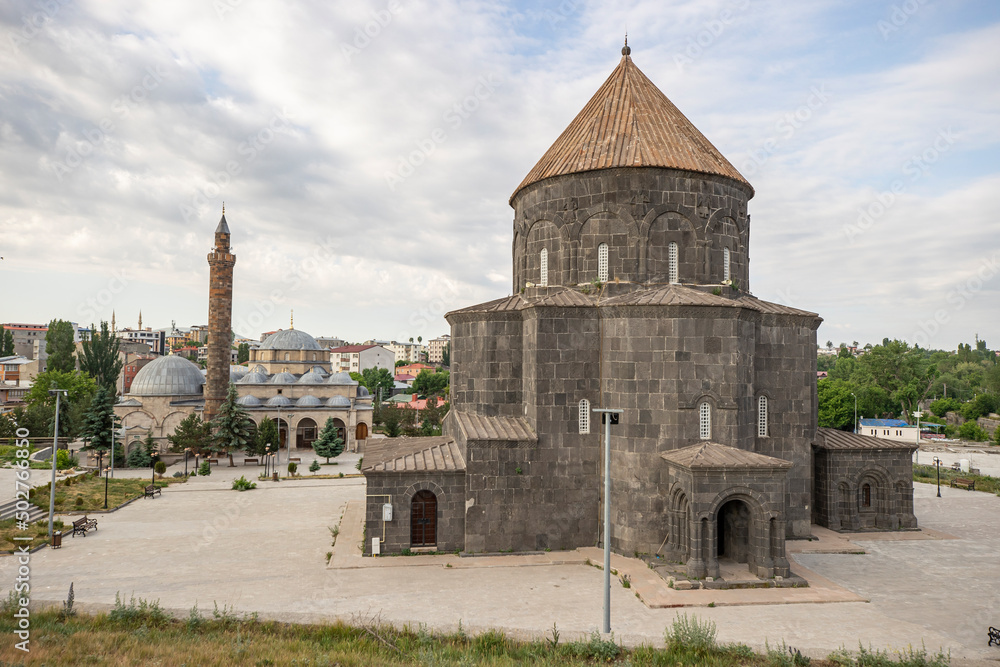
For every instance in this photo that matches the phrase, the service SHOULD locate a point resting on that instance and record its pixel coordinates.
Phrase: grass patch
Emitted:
(86, 493)
(928, 475)
(38, 531)
(140, 632)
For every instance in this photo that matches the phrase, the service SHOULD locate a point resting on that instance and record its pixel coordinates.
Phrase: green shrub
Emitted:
(205, 468)
(64, 460)
(292, 467)
(138, 458)
(160, 467)
(242, 484)
(314, 467)
(690, 634)
(597, 649)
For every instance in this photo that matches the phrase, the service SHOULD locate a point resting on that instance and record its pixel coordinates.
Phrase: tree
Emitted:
(431, 384)
(72, 406)
(829, 344)
(243, 353)
(901, 372)
(401, 362)
(329, 444)
(314, 467)
(6, 342)
(970, 430)
(59, 346)
(942, 406)
(446, 355)
(836, 405)
(267, 437)
(192, 433)
(99, 357)
(420, 339)
(435, 411)
(395, 418)
(411, 339)
(139, 456)
(375, 379)
(232, 426)
(100, 421)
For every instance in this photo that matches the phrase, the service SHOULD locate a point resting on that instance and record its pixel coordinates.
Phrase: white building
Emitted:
(356, 358)
(889, 429)
(435, 349)
(409, 352)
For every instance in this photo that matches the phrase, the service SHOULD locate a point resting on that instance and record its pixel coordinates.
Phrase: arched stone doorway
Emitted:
(305, 433)
(282, 432)
(423, 519)
(341, 431)
(361, 432)
(734, 531)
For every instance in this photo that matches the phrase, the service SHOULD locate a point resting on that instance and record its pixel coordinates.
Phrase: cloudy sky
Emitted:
(366, 151)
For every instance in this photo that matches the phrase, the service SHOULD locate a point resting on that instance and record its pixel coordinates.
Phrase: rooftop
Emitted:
(713, 455)
(437, 453)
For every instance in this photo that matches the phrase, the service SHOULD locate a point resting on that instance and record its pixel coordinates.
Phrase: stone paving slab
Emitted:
(265, 551)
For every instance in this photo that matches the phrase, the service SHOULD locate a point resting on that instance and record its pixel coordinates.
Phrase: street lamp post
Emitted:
(55, 448)
(152, 465)
(855, 413)
(937, 464)
(609, 416)
(106, 487)
(186, 451)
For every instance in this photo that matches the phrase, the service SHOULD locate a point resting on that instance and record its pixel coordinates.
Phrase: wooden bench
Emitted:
(247, 462)
(215, 461)
(994, 636)
(295, 460)
(82, 525)
(963, 483)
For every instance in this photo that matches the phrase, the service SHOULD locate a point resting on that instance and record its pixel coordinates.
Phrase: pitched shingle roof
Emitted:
(630, 123)
(670, 295)
(438, 453)
(495, 429)
(714, 455)
(831, 438)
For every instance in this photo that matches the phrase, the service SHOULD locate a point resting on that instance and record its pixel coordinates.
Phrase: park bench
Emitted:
(963, 483)
(82, 525)
(994, 635)
(150, 490)
(215, 461)
(295, 459)
(247, 462)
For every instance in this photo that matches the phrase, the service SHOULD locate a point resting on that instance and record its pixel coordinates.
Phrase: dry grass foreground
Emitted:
(85, 493)
(141, 633)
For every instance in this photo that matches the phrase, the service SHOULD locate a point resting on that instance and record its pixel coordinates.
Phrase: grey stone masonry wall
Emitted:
(637, 212)
(785, 372)
(486, 358)
(399, 489)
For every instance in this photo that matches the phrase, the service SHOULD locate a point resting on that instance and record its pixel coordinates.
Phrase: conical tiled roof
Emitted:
(630, 123)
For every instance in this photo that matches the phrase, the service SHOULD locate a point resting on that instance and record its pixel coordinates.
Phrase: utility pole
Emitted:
(55, 449)
(609, 417)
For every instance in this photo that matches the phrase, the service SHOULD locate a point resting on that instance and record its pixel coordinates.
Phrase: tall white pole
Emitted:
(55, 448)
(607, 524)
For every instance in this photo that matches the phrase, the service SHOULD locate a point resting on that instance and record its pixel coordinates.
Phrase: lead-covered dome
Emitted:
(168, 376)
(290, 339)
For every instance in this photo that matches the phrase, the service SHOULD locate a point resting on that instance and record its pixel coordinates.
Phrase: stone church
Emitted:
(632, 290)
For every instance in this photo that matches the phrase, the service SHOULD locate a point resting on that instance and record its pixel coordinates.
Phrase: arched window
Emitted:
(672, 262)
(286, 356)
(725, 265)
(602, 262)
(584, 416)
(866, 495)
(762, 417)
(543, 279)
(705, 421)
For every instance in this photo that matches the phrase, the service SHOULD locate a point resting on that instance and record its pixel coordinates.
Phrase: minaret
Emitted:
(113, 328)
(220, 319)
(140, 320)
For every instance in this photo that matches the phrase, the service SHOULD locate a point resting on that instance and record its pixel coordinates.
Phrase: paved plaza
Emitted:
(265, 551)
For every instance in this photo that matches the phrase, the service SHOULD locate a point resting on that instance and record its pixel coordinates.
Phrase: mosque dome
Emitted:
(256, 377)
(259, 369)
(339, 402)
(236, 372)
(363, 392)
(283, 378)
(341, 378)
(311, 377)
(168, 376)
(278, 402)
(290, 339)
(248, 401)
(308, 401)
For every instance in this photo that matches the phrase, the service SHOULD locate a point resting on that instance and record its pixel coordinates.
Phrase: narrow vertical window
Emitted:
(584, 416)
(762, 417)
(705, 421)
(725, 265)
(543, 279)
(602, 262)
(672, 263)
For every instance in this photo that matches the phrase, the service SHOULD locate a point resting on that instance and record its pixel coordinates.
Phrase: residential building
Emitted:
(11, 369)
(331, 342)
(356, 358)
(413, 369)
(25, 336)
(888, 429)
(436, 347)
(411, 352)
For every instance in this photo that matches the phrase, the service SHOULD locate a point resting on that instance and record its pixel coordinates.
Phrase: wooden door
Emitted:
(423, 520)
